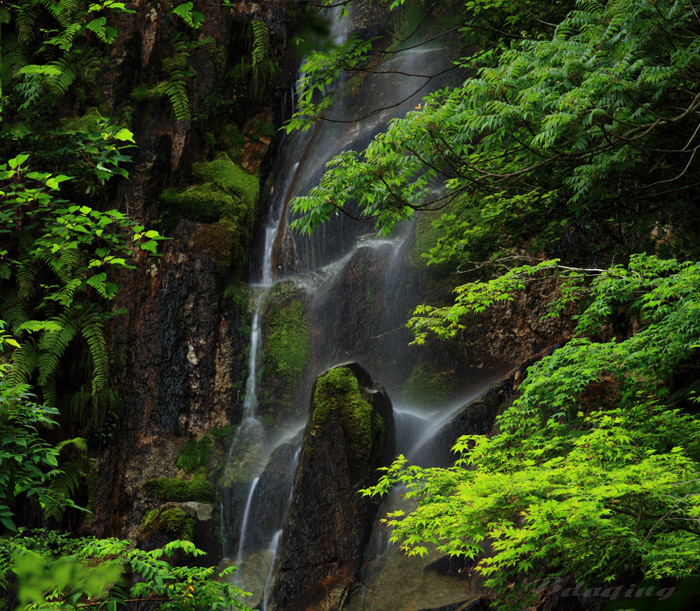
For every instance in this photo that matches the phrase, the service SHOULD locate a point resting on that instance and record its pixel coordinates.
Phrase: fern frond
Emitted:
(60, 11)
(64, 40)
(62, 80)
(192, 18)
(91, 410)
(26, 16)
(23, 365)
(13, 55)
(70, 259)
(78, 443)
(79, 470)
(65, 294)
(93, 332)
(49, 391)
(53, 345)
(261, 42)
(56, 265)
(176, 90)
(13, 310)
(26, 275)
(99, 27)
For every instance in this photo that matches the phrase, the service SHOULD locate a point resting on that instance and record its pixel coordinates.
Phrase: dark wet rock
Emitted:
(477, 417)
(272, 494)
(349, 433)
(181, 354)
(268, 504)
(452, 566)
(199, 511)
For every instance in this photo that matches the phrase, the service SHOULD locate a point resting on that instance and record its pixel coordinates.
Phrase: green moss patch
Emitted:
(230, 176)
(287, 340)
(226, 240)
(173, 489)
(170, 521)
(428, 388)
(338, 394)
(205, 203)
(195, 454)
(223, 432)
(226, 200)
(89, 122)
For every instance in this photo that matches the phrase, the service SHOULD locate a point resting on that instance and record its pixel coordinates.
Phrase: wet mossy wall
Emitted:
(337, 395)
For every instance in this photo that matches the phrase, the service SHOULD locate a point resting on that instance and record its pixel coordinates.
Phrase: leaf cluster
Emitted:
(54, 571)
(595, 469)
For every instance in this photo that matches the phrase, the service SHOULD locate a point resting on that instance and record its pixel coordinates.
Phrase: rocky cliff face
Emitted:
(349, 433)
(180, 345)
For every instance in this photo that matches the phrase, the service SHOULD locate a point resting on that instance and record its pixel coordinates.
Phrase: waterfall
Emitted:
(246, 514)
(273, 552)
(320, 266)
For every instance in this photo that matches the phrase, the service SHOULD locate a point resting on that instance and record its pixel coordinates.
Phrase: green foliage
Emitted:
(337, 396)
(569, 148)
(287, 347)
(195, 454)
(62, 257)
(27, 462)
(169, 489)
(256, 68)
(40, 69)
(54, 571)
(544, 129)
(192, 18)
(595, 469)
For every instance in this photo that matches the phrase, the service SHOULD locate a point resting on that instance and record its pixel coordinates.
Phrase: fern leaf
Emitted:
(176, 90)
(261, 42)
(93, 331)
(13, 57)
(49, 391)
(24, 360)
(53, 345)
(26, 274)
(192, 18)
(13, 310)
(26, 16)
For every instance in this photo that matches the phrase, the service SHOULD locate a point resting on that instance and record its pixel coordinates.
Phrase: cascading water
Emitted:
(330, 270)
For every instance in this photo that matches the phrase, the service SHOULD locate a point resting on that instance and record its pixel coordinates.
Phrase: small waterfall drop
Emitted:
(244, 524)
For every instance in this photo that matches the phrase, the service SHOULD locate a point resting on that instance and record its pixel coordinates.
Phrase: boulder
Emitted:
(349, 433)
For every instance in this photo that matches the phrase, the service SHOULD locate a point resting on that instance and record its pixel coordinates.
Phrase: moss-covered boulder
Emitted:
(163, 524)
(349, 433)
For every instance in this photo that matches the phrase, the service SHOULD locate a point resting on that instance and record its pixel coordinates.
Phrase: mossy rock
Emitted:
(337, 394)
(89, 122)
(144, 93)
(205, 203)
(231, 177)
(173, 489)
(428, 388)
(225, 240)
(195, 454)
(287, 349)
(169, 521)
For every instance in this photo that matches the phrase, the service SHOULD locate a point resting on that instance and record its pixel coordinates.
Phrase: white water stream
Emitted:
(322, 259)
